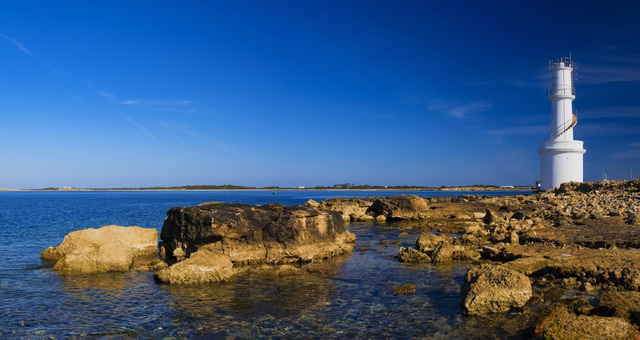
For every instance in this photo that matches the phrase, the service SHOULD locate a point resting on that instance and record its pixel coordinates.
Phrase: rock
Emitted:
(489, 252)
(405, 289)
(491, 217)
(110, 248)
(577, 305)
(281, 270)
(148, 265)
(490, 289)
(380, 219)
(313, 204)
(401, 207)
(552, 293)
(446, 252)
(513, 238)
(351, 209)
(411, 255)
(558, 322)
(518, 215)
(479, 215)
(271, 233)
(621, 304)
(527, 265)
(380, 209)
(201, 267)
(476, 230)
(428, 241)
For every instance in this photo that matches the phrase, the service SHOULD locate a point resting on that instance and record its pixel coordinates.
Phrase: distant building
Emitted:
(561, 155)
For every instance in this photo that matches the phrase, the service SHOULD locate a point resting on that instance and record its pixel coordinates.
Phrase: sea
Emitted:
(353, 298)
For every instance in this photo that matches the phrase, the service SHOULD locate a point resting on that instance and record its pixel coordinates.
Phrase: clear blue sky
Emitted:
(289, 93)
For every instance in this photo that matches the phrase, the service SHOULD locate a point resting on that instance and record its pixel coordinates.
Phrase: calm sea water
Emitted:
(352, 298)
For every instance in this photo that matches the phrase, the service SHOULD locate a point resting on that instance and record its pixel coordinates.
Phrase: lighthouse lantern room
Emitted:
(560, 154)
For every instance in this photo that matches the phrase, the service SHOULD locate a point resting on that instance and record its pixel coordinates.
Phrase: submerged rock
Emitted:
(110, 248)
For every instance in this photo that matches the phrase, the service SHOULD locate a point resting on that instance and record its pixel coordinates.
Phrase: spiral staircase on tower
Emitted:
(564, 127)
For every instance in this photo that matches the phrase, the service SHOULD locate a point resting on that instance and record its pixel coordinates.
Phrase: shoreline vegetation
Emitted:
(474, 187)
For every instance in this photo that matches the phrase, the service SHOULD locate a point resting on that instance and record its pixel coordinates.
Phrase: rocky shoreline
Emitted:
(558, 264)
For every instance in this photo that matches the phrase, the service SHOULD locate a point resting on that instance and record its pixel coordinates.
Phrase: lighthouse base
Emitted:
(560, 162)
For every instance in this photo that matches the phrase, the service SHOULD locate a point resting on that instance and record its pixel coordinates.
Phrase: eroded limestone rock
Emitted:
(200, 267)
(247, 235)
(110, 248)
(490, 289)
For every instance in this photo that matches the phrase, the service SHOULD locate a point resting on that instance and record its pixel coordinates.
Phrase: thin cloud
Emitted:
(460, 111)
(165, 105)
(171, 109)
(534, 130)
(608, 130)
(619, 70)
(632, 153)
(146, 132)
(18, 44)
(611, 111)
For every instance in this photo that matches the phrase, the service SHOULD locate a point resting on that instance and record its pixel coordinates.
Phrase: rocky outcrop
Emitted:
(558, 322)
(490, 289)
(625, 304)
(401, 207)
(110, 248)
(245, 234)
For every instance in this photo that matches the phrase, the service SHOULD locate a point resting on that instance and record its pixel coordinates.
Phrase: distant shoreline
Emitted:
(230, 188)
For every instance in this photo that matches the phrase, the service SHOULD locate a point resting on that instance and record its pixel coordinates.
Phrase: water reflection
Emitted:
(351, 296)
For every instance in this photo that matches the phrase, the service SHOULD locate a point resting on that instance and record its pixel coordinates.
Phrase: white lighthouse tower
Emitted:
(560, 155)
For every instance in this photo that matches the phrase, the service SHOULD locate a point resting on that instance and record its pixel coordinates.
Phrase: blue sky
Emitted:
(290, 93)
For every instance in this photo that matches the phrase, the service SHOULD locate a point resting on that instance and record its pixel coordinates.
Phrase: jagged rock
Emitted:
(428, 241)
(313, 204)
(518, 215)
(513, 238)
(559, 323)
(476, 230)
(490, 289)
(412, 256)
(200, 267)
(401, 207)
(110, 248)
(446, 252)
(489, 217)
(349, 208)
(271, 233)
(489, 252)
(632, 218)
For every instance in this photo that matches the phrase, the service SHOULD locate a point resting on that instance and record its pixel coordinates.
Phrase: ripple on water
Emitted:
(350, 297)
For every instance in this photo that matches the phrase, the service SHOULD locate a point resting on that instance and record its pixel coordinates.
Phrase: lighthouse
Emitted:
(560, 154)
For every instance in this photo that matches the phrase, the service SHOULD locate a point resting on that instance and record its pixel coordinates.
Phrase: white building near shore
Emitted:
(560, 155)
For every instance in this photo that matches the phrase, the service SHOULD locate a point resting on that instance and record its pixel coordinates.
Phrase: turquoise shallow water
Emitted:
(352, 297)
